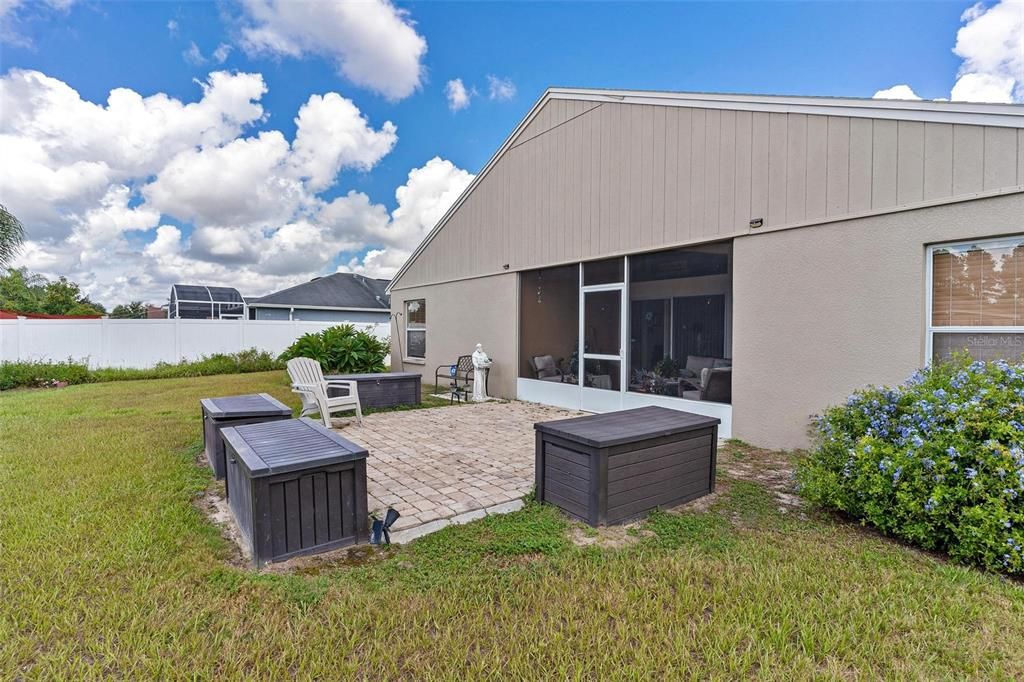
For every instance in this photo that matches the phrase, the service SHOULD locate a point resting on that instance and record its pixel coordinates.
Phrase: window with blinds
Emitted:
(977, 299)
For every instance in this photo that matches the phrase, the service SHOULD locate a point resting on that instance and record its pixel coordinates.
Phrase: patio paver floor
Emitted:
(442, 464)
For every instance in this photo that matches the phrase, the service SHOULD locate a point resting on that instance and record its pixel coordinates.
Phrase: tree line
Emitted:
(24, 292)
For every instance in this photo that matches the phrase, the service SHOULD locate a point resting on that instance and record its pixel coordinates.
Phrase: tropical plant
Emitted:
(12, 234)
(341, 350)
(938, 461)
(129, 311)
(25, 292)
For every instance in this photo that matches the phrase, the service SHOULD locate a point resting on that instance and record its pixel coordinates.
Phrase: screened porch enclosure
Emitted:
(652, 328)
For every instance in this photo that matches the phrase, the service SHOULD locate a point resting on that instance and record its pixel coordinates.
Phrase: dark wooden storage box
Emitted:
(234, 411)
(385, 389)
(615, 467)
(295, 487)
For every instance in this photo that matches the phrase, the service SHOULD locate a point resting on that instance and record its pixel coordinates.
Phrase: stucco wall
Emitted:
(460, 315)
(820, 311)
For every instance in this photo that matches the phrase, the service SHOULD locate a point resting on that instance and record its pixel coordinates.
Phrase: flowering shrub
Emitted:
(938, 461)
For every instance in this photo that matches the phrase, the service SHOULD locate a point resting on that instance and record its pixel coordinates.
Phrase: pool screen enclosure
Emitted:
(198, 302)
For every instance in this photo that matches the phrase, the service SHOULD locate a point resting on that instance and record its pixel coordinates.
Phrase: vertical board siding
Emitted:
(816, 193)
(742, 209)
(861, 164)
(968, 159)
(938, 160)
(796, 168)
(727, 173)
(759, 165)
(588, 179)
(910, 162)
(837, 184)
(884, 164)
(1000, 158)
(777, 157)
(698, 171)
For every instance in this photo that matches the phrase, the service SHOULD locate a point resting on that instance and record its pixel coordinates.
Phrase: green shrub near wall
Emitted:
(938, 461)
(41, 374)
(341, 350)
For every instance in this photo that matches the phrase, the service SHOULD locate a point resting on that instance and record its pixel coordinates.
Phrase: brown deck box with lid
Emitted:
(615, 467)
(383, 389)
(295, 487)
(235, 410)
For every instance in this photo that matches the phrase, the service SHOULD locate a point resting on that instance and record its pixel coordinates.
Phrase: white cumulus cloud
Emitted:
(374, 44)
(428, 193)
(61, 153)
(457, 94)
(333, 134)
(500, 88)
(97, 184)
(896, 92)
(991, 43)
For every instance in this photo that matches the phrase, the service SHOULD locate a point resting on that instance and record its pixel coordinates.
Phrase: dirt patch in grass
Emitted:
(337, 559)
(772, 469)
(213, 505)
(608, 537)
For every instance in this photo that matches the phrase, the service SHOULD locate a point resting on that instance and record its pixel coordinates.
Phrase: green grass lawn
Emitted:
(107, 569)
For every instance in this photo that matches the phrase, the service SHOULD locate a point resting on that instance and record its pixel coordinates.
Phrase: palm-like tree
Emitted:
(12, 234)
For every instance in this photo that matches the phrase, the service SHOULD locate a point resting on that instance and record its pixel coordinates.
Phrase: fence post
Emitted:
(177, 338)
(17, 336)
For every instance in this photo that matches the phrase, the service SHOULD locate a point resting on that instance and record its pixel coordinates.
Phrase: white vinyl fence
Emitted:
(143, 343)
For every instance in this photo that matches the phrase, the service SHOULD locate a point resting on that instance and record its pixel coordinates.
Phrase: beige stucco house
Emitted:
(752, 258)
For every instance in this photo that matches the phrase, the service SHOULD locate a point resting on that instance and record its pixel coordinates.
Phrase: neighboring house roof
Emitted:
(996, 115)
(342, 291)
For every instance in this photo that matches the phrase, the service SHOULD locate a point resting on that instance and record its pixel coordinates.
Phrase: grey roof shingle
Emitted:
(340, 290)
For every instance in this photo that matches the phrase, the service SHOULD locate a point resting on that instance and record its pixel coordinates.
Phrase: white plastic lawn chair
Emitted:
(308, 381)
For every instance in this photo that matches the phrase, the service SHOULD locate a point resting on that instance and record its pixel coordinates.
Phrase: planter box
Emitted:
(234, 411)
(616, 467)
(385, 389)
(295, 487)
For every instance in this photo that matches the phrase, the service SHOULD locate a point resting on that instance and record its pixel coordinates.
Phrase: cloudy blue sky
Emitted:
(262, 142)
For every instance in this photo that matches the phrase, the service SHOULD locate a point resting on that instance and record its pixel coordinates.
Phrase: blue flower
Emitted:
(930, 504)
(951, 451)
(971, 472)
(896, 474)
(928, 463)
